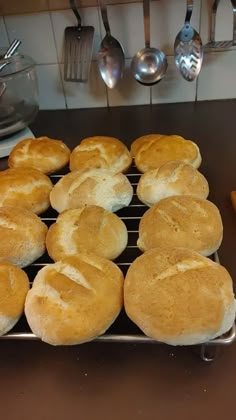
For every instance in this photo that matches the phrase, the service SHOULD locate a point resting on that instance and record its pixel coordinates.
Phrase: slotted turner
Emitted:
(78, 48)
(221, 44)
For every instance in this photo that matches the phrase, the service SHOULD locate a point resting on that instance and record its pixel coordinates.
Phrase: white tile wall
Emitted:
(35, 32)
(3, 34)
(217, 79)
(173, 88)
(42, 37)
(63, 18)
(51, 94)
(86, 95)
(167, 19)
(128, 91)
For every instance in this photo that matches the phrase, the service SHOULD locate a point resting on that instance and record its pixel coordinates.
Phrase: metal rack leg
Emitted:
(208, 353)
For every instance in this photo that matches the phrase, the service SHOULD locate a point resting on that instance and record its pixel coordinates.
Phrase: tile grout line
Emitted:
(58, 65)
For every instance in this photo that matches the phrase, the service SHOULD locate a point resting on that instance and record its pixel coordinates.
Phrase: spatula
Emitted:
(78, 48)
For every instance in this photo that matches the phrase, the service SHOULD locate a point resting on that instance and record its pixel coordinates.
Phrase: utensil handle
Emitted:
(234, 21)
(213, 19)
(76, 12)
(146, 15)
(189, 11)
(13, 47)
(103, 7)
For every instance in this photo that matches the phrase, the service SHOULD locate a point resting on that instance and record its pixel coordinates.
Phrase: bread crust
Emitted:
(74, 300)
(88, 229)
(101, 152)
(43, 153)
(182, 221)
(179, 297)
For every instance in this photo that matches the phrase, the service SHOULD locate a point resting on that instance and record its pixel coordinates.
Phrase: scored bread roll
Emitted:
(140, 141)
(14, 286)
(98, 187)
(74, 300)
(179, 297)
(101, 152)
(182, 221)
(172, 178)
(25, 187)
(22, 234)
(45, 154)
(88, 229)
(154, 154)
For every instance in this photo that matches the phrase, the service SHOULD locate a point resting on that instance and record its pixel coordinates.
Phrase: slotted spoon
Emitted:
(78, 48)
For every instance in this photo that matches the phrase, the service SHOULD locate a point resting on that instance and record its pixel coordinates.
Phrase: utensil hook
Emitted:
(103, 7)
(76, 12)
(234, 20)
(189, 11)
(146, 14)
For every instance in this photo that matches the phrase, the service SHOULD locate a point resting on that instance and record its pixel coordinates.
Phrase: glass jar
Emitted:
(18, 93)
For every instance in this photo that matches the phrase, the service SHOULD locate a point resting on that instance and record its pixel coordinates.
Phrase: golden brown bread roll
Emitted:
(152, 155)
(22, 234)
(14, 285)
(101, 152)
(179, 297)
(88, 229)
(172, 178)
(25, 187)
(140, 141)
(182, 221)
(98, 187)
(75, 299)
(45, 154)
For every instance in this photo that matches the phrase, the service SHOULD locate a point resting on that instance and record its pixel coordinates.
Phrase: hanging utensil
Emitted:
(9, 53)
(111, 58)
(78, 48)
(188, 50)
(149, 65)
(213, 44)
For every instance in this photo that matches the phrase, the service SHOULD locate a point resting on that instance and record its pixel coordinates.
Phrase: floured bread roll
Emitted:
(45, 154)
(22, 235)
(14, 285)
(146, 139)
(179, 297)
(98, 187)
(101, 152)
(182, 221)
(25, 187)
(88, 229)
(74, 300)
(172, 178)
(154, 154)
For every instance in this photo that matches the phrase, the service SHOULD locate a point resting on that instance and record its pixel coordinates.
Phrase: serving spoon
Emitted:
(111, 58)
(149, 65)
(188, 50)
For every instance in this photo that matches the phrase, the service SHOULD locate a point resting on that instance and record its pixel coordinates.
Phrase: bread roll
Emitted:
(75, 299)
(14, 286)
(101, 152)
(45, 154)
(179, 297)
(25, 187)
(98, 187)
(154, 154)
(22, 235)
(182, 221)
(172, 178)
(88, 229)
(146, 139)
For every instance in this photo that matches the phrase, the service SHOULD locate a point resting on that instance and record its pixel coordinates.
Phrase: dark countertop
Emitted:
(123, 381)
